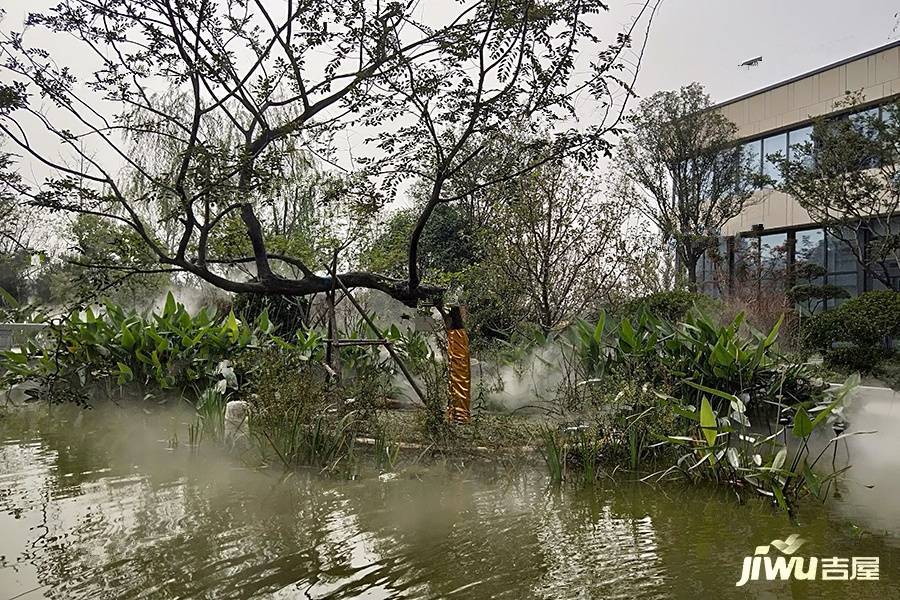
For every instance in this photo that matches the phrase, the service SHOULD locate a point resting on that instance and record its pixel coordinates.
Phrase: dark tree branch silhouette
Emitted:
(182, 122)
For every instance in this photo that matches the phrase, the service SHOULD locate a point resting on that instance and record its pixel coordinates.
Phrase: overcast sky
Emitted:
(697, 40)
(691, 40)
(705, 40)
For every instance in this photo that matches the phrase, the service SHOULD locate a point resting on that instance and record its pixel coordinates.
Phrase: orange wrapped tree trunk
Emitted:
(459, 367)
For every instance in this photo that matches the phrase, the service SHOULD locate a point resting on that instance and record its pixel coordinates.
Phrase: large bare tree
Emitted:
(561, 240)
(226, 91)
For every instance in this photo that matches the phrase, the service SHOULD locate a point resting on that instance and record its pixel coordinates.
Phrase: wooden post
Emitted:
(333, 351)
(459, 366)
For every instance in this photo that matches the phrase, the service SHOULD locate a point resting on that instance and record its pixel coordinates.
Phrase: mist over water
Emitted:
(870, 494)
(529, 382)
(103, 504)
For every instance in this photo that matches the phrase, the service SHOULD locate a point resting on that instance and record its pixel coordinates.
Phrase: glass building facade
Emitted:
(762, 151)
(774, 261)
(766, 261)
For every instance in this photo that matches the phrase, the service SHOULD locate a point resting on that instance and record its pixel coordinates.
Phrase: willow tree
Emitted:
(16, 226)
(682, 168)
(11, 217)
(225, 91)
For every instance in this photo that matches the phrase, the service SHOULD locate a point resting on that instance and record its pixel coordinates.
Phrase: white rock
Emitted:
(237, 414)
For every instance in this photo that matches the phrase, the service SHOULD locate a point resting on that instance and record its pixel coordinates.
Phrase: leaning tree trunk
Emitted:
(692, 271)
(688, 258)
(459, 367)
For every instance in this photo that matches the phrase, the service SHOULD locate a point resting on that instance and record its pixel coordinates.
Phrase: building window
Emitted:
(746, 259)
(809, 265)
(757, 151)
(752, 154)
(841, 251)
(773, 259)
(864, 122)
(890, 114)
(810, 247)
(817, 257)
(846, 281)
(712, 270)
(820, 258)
(884, 258)
(774, 148)
(797, 149)
(841, 263)
(893, 273)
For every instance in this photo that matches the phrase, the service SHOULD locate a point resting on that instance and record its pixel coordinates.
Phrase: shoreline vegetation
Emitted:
(355, 240)
(672, 397)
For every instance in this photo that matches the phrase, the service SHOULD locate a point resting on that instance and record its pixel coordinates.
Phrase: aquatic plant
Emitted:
(211, 414)
(721, 445)
(195, 434)
(324, 443)
(586, 448)
(571, 451)
(553, 450)
(678, 397)
(385, 452)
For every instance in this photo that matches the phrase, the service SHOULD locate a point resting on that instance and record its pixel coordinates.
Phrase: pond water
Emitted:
(101, 504)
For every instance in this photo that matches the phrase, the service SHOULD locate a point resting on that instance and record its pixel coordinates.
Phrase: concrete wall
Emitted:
(878, 76)
(797, 101)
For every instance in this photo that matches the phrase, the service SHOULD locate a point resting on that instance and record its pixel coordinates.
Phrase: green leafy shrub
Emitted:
(670, 306)
(681, 395)
(853, 335)
(699, 351)
(170, 349)
(175, 351)
(889, 372)
(696, 351)
(281, 384)
(302, 416)
(809, 294)
(287, 313)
